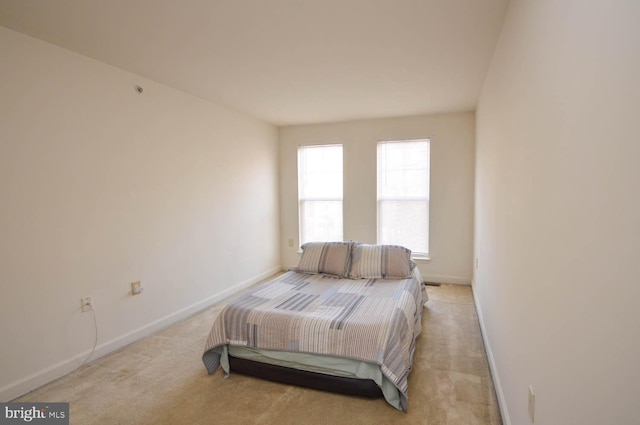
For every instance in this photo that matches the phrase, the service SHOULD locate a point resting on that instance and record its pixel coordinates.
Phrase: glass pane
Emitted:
(320, 172)
(403, 169)
(320, 221)
(404, 223)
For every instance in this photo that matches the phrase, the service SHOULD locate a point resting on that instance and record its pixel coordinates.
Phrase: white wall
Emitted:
(101, 186)
(451, 209)
(558, 211)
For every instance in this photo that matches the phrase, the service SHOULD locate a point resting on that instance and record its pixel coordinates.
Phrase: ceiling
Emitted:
(286, 61)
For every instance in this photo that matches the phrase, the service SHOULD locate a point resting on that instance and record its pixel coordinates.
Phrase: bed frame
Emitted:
(303, 378)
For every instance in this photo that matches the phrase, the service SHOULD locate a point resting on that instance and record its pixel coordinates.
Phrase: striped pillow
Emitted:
(380, 262)
(325, 257)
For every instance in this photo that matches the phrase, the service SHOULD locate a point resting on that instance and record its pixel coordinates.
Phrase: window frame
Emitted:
(426, 198)
(306, 199)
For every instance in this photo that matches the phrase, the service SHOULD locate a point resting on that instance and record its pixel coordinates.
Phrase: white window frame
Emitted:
(380, 199)
(304, 198)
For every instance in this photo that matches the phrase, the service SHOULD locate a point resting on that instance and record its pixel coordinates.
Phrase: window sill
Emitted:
(420, 258)
(413, 257)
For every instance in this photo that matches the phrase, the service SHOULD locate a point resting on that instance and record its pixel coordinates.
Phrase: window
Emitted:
(320, 193)
(403, 194)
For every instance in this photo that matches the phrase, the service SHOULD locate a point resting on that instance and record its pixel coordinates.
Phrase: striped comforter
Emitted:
(372, 320)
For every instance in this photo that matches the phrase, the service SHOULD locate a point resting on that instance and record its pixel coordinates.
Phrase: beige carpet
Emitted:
(161, 380)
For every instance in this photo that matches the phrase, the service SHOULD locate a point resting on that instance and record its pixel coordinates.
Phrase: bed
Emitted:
(345, 320)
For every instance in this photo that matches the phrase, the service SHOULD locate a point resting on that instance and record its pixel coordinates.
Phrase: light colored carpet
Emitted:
(161, 380)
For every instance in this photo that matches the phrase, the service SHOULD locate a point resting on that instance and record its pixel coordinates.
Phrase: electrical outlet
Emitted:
(532, 403)
(86, 303)
(476, 262)
(136, 287)
(290, 242)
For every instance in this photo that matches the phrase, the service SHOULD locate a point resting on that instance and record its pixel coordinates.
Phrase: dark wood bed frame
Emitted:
(303, 378)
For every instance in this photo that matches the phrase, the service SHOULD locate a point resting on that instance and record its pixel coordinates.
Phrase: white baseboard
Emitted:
(504, 412)
(55, 371)
(446, 279)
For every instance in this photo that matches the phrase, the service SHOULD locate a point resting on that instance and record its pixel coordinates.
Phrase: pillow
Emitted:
(325, 257)
(380, 262)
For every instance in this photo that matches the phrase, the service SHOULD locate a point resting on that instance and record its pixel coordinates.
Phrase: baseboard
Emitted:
(36, 380)
(497, 383)
(446, 279)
